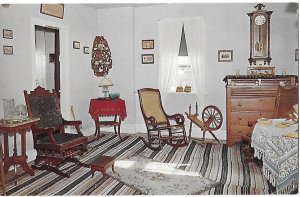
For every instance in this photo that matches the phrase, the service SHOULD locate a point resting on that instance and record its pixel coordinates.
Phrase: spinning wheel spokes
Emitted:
(212, 117)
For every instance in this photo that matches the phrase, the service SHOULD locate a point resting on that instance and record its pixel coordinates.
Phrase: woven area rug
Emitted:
(151, 177)
(216, 162)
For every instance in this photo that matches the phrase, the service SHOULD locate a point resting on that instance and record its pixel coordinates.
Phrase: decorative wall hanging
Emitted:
(148, 59)
(8, 50)
(7, 34)
(225, 55)
(56, 10)
(101, 57)
(147, 44)
(76, 45)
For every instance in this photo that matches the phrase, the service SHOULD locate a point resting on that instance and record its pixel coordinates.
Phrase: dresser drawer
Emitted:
(242, 118)
(253, 104)
(239, 130)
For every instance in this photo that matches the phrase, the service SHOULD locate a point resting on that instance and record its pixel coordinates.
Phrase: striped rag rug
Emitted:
(216, 162)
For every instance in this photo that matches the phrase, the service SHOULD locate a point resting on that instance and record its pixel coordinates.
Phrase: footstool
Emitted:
(101, 164)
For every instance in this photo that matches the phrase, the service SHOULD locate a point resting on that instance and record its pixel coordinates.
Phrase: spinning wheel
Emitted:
(212, 120)
(212, 117)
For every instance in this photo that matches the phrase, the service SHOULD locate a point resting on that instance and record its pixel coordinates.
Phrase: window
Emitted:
(181, 55)
(183, 80)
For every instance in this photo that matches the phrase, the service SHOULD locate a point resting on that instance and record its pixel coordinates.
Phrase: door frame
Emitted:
(64, 60)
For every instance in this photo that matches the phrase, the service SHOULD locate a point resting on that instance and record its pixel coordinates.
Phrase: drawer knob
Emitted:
(240, 118)
(240, 131)
(240, 104)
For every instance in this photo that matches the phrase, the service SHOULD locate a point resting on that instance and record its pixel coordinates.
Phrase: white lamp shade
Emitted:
(105, 82)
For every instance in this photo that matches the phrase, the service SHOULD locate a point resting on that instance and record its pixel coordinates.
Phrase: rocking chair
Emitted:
(53, 145)
(158, 123)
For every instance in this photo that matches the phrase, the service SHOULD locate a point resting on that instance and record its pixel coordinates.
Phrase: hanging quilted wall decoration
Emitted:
(101, 57)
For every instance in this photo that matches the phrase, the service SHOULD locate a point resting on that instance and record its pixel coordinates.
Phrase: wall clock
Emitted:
(101, 57)
(260, 36)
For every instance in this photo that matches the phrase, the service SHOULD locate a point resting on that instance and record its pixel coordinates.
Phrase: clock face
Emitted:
(260, 20)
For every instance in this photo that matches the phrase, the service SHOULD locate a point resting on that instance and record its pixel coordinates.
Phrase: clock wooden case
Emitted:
(260, 35)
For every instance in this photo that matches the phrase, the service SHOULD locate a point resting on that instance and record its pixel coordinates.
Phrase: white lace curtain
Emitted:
(40, 68)
(169, 42)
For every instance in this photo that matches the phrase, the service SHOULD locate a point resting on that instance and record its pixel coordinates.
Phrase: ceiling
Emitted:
(118, 5)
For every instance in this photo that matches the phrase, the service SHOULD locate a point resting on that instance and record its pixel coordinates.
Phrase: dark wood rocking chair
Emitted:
(54, 146)
(158, 123)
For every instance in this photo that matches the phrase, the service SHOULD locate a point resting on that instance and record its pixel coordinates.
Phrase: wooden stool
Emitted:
(101, 164)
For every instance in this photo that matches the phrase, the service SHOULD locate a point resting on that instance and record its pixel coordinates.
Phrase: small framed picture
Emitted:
(225, 55)
(76, 45)
(147, 44)
(86, 50)
(56, 10)
(7, 34)
(8, 50)
(296, 55)
(147, 58)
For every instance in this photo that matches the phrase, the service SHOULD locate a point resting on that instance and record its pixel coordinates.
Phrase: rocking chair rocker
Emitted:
(54, 146)
(158, 123)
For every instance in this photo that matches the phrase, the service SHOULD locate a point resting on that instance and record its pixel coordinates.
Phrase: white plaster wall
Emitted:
(16, 74)
(224, 28)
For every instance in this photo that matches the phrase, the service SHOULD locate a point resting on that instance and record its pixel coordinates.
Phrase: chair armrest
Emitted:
(75, 123)
(179, 118)
(152, 121)
(49, 130)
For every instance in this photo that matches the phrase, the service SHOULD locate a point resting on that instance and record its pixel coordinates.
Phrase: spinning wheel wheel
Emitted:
(212, 117)
(212, 120)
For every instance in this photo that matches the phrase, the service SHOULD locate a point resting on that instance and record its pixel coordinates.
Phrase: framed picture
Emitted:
(76, 45)
(147, 58)
(147, 44)
(8, 50)
(86, 50)
(7, 34)
(56, 10)
(225, 55)
(296, 55)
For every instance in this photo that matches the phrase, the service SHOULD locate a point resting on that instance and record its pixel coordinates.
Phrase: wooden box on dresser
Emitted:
(248, 98)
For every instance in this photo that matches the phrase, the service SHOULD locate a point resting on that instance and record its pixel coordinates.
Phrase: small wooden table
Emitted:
(102, 163)
(14, 128)
(108, 107)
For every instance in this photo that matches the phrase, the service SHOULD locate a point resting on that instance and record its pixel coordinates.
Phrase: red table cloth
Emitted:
(107, 107)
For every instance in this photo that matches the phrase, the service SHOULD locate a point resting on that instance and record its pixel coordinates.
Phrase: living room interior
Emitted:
(95, 53)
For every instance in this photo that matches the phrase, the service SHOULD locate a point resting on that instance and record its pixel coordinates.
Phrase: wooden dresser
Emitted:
(248, 98)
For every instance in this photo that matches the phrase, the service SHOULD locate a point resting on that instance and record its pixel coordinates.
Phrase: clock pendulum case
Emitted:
(260, 35)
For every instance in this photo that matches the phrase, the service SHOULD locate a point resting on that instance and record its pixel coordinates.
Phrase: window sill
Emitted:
(182, 93)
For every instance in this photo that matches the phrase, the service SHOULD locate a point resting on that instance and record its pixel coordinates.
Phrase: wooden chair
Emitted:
(286, 98)
(53, 145)
(161, 128)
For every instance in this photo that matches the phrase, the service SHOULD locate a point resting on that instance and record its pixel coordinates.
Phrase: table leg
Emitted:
(190, 131)
(119, 128)
(22, 160)
(115, 126)
(2, 172)
(97, 132)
